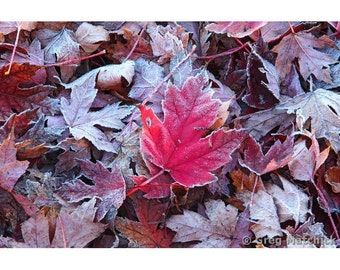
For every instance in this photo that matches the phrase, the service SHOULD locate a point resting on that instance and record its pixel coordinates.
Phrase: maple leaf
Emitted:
(277, 156)
(263, 213)
(235, 29)
(307, 161)
(82, 123)
(302, 45)
(322, 107)
(290, 201)
(146, 233)
(176, 146)
(90, 36)
(10, 168)
(263, 83)
(63, 47)
(271, 31)
(108, 186)
(16, 98)
(216, 231)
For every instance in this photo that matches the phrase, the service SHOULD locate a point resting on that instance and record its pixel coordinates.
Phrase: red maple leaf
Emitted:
(177, 145)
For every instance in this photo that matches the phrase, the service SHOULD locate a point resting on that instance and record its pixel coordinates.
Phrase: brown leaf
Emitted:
(76, 228)
(302, 45)
(235, 29)
(263, 214)
(332, 177)
(323, 108)
(214, 232)
(291, 202)
(90, 36)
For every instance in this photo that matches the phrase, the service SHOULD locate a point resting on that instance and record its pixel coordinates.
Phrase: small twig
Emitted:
(14, 50)
(136, 43)
(169, 75)
(323, 199)
(62, 231)
(231, 51)
(133, 190)
(71, 61)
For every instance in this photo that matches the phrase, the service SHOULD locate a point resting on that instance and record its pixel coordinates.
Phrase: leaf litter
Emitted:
(205, 134)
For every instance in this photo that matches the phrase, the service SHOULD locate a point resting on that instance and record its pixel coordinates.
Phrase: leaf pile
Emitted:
(192, 134)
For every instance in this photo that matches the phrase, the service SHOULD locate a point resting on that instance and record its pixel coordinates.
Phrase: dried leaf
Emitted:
(90, 36)
(235, 29)
(332, 177)
(264, 216)
(291, 202)
(76, 228)
(323, 108)
(216, 231)
(108, 187)
(82, 123)
(277, 156)
(303, 45)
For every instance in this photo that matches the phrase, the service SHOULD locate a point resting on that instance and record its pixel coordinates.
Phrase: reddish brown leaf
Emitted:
(303, 45)
(235, 29)
(10, 168)
(332, 177)
(176, 146)
(108, 186)
(277, 156)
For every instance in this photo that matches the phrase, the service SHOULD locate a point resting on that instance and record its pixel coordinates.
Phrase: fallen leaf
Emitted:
(332, 177)
(146, 233)
(276, 157)
(263, 83)
(263, 213)
(303, 45)
(235, 29)
(291, 202)
(306, 161)
(108, 187)
(89, 36)
(216, 231)
(63, 47)
(323, 108)
(176, 146)
(76, 228)
(82, 123)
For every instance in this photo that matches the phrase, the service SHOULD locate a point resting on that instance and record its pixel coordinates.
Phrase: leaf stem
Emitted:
(14, 50)
(62, 231)
(137, 41)
(71, 61)
(323, 199)
(133, 190)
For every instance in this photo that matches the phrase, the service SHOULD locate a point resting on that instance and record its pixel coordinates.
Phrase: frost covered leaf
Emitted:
(323, 108)
(148, 75)
(77, 227)
(10, 168)
(176, 146)
(108, 77)
(82, 123)
(108, 187)
(263, 83)
(332, 177)
(63, 47)
(90, 36)
(146, 233)
(291, 202)
(215, 232)
(235, 29)
(303, 45)
(277, 156)
(14, 96)
(264, 216)
(307, 161)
